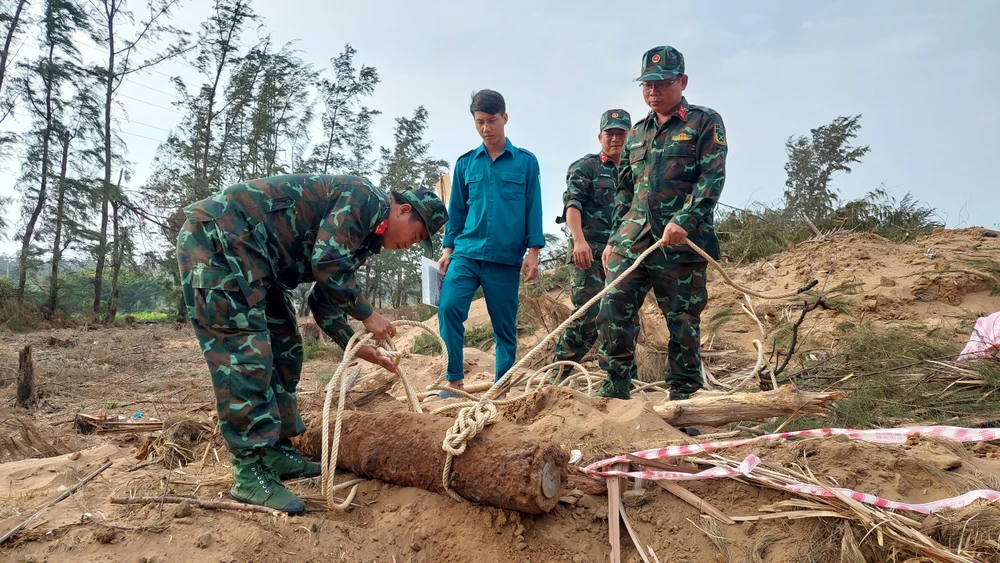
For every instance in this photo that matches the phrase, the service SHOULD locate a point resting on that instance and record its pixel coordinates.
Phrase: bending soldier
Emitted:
(239, 253)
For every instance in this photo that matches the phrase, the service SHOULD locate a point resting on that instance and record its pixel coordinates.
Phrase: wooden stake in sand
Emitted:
(26, 395)
(614, 511)
(55, 501)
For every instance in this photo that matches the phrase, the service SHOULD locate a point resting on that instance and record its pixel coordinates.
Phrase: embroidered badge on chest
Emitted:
(380, 229)
(681, 137)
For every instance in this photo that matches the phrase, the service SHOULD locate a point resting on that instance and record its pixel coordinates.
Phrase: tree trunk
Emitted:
(333, 133)
(26, 395)
(5, 54)
(718, 410)
(116, 256)
(181, 305)
(102, 237)
(29, 228)
(53, 303)
(111, 12)
(504, 466)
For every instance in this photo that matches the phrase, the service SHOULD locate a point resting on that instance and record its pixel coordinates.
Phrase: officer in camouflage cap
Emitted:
(589, 204)
(239, 253)
(672, 176)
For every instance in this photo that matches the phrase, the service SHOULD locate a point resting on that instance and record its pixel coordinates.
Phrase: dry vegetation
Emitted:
(890, 347)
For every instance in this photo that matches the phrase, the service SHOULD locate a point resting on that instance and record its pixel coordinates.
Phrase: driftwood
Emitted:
(717, 410)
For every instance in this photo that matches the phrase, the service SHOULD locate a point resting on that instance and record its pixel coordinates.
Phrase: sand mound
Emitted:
(943, 280)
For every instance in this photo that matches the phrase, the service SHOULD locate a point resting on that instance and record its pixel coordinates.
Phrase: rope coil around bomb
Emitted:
(476, 414)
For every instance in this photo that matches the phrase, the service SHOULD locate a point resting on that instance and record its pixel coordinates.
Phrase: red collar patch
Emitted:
(604, 158)
(682, 113)
(380, 229)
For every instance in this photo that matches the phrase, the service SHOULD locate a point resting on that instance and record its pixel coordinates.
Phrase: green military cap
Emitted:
(661, 63)
(431, 210)
(616, 119)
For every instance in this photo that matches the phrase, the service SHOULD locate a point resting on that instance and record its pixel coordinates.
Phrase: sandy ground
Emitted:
(158, 371)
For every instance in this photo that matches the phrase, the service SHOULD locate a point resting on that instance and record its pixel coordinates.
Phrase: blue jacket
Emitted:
(495, 208)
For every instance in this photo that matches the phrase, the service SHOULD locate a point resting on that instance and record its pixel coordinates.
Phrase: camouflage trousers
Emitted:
(253, 347)
(681, 295)
(581, 334)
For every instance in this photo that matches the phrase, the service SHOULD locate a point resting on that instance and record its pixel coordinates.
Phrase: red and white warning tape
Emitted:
(746, 468)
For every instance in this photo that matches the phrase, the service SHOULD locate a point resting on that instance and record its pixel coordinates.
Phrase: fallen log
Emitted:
(717, 410)
(505, 465)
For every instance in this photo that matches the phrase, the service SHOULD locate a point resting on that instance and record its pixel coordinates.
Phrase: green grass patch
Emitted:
(152, 317)
(889, 381)
(426, 344)
(839, 304)
(479, 337)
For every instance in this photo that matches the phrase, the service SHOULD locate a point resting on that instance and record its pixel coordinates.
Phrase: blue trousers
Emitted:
(500, 283)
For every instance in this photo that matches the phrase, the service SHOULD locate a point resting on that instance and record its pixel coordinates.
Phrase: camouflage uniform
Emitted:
(591, 183)
(675, 173)
(241, 251)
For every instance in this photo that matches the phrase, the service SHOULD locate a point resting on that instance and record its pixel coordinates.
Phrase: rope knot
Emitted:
(470, 421)
(395, 355)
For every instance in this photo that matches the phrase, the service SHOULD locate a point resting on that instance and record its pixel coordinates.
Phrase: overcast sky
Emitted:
(925, 76)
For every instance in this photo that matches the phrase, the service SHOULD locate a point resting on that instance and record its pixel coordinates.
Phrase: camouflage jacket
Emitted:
(289, 229)
(591, 183)
(675, 173)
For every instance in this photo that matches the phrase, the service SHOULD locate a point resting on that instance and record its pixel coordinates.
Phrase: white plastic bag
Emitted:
(985, 339)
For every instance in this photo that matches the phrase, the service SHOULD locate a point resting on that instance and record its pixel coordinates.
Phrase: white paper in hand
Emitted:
(431, 278)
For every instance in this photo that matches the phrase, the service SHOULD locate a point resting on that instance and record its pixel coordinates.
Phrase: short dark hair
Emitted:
(399, 199)
(488, 101)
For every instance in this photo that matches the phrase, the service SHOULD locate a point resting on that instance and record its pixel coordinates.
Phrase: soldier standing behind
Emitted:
(589, 201)
(673, 173)
(240, 252)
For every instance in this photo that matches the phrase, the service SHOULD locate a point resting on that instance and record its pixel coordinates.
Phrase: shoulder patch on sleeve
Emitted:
(719, 135)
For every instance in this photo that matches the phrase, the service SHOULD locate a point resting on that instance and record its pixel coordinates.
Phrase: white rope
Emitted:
(474, 415)
(328, 464)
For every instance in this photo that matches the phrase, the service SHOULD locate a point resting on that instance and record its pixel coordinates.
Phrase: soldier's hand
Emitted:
(379, 327)
(605, 256)
(444, 261)
(583, 256)
(674, 234)
(370, 354)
